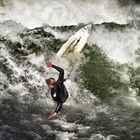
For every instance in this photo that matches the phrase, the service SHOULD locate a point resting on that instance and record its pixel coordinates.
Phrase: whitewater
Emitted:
(103, 82)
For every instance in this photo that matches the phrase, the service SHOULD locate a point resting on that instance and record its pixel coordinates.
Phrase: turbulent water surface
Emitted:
(103, 82)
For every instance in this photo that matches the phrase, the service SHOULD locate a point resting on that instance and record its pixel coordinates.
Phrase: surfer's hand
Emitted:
(52, 115)
(49, 64)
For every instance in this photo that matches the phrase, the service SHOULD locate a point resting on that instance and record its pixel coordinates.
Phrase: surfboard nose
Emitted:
(87, 28)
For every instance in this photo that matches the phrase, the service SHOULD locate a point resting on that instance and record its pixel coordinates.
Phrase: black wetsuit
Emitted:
(59, 92)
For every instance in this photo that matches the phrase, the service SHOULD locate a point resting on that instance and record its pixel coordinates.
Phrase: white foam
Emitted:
(65, 125)
(97, 137)
(101, 137)
(58, 35)
(128, 99)
(19, 89)
(11, 64)
(9, 28)
(37, 60)
(70, 126)
(120, 46)
(65, 135)
(34, 13)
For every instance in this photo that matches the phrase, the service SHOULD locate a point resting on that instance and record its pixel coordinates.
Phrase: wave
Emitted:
(35, 13)
(103, 92)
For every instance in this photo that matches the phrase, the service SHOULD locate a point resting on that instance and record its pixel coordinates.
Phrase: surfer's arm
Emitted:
(61, 72)
(58, 108)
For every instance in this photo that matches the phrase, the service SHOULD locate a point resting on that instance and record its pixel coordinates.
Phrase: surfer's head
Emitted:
(50, 82)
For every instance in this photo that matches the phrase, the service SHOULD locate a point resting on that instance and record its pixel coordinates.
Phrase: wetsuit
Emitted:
(59, 92)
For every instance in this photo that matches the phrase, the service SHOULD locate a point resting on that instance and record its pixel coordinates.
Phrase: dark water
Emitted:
(102, 104)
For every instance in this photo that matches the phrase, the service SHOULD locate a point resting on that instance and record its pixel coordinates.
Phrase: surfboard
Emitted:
(76, 42)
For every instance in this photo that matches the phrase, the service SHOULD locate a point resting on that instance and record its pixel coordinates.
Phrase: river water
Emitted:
(103, 82)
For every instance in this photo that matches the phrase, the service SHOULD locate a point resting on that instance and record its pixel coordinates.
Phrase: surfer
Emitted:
(58, 90)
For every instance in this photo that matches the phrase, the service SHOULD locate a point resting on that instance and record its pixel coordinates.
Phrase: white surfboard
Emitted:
(76, 42)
